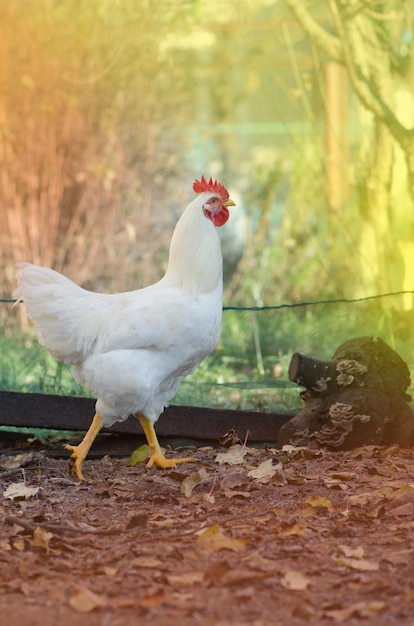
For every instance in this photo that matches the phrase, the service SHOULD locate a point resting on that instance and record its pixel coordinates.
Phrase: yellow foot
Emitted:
(157, 458)
(75, 462)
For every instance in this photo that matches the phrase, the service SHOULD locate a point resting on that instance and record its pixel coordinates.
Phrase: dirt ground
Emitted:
(241, 536)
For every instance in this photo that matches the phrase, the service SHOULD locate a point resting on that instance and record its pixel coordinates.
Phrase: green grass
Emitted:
(248, 369)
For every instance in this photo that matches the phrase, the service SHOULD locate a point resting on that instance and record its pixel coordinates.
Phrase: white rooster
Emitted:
(131, 350)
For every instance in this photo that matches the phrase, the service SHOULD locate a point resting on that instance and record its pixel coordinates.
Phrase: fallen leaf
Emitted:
(153, 599)
(234, 455)
(295, 581)
(20, 491)
(266, 471)
(234, 479)
(161, 521)
(139, 455)
(213, 539)
(294, 449)
(303, 610)
(404, 509)
(236, 577)
(361, 499)
(193, 480)
(229, 439)
(85, 600)
(18, 544)
(306, 510)
(185, 580)
(404, 495)
(41, 538)
(333, 483)
(342, 475)
(301, 452)
(294, 529)
(147, 562)
(256, 561)
(358, 564)
(208, 497)
(320, 501)
(16, 461)
(357, 553)
(402, 557)
(236, 494)
(360, 609)
(216, 571)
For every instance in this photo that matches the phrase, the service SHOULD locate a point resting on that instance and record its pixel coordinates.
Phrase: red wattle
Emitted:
(218, 219)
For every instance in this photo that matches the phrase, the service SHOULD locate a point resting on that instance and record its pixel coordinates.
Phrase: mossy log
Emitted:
(359, 397)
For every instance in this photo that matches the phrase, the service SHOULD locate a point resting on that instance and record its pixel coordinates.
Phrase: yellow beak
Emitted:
(229, 203)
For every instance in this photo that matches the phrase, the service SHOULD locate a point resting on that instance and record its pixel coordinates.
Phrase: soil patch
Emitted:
(241, 536)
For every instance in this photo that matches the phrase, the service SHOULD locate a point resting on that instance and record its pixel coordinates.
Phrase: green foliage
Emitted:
(25, 366)
(107, 111)
(249, 368)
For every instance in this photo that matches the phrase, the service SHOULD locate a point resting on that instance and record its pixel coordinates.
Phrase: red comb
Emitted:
(202, 185)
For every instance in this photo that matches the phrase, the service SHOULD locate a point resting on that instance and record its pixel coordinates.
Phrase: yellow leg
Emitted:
(79, 453)
(157, 457)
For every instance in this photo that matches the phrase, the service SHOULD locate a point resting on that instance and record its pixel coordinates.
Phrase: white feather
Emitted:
(131, 350)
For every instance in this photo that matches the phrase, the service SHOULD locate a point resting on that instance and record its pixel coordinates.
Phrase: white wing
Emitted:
(73, 323)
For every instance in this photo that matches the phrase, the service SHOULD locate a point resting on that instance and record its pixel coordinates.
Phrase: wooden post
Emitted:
(337, 164)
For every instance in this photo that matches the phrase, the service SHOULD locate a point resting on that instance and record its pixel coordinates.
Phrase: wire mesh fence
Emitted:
(249, 368)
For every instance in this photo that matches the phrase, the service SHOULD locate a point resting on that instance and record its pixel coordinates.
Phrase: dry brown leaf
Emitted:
(193, 480)
(84, 600)
(403, 496)
(216, 571)
(148, 562)
(20, 491)
(404, 509)
(257, 561)
(41, 538)
(358, 564)
(161, 521)
(334, 483)
(402, 557)
(303, 610)
(294, 529)
(16, 461)
(306, 510)
(320, 501)
(234, 455)
(295, 581)
(362, 499)
(360, 609)
(356, 553)
(342, 475)
(236, 577)
(265, 472)
(213, 539)
(18, 544)
(153, 599)
(232, 480)
(187, 579)
(236, 494)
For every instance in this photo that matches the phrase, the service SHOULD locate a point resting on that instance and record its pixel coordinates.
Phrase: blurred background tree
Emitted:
(303, 109)
(108, 110)
(370, 45)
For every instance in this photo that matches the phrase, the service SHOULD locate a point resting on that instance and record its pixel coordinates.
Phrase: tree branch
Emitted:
(328, 43)
(337, 49)
(367, 92)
